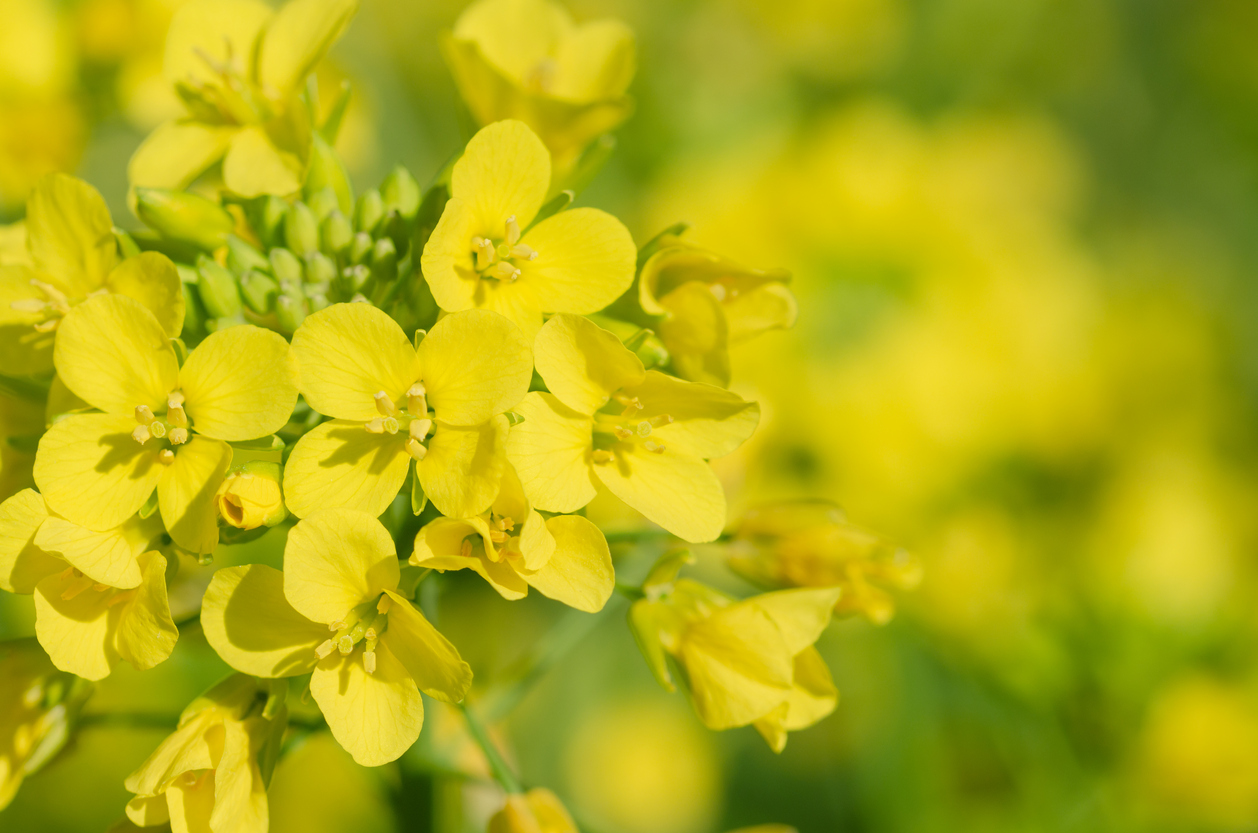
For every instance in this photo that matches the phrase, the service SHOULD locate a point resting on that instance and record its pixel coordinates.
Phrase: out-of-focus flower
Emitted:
(566, 557)
(21, 424)
(209, 774)
(340, 577)
(486, 252)
(811, 544)
(358, 366)
(709, 303)
(527, 60)
(643, 435)
(536, 811)
(13, 245)
(251, 496)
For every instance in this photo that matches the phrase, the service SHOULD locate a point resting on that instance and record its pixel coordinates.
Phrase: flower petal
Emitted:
(431, 660)
(579, 572)
(341, 465)
(151, 279)
(768, 307)
(22, 563)
(438, 547)
(185, 494)
(76, 632)
(107, 557)
(476, 364)
(463, 468)
(515, 36)
(583, 364)
(550, 450)
(92, 471)
(299, 36)
(802, 614)
(191, 803)
(240, 384)
(250, 624)
(596, 61)
(707, 421)
(813, 695)
(176, 153)
(183, 750)
(537, 544)
(145, 634)
(70, 234)
(696, 333)
(447, 261)
(335, 560)
(346, 354)
(585, 260)
(22, 347)
(673, 488)
(374, 717)
(112, 353)
(148, 810)
(224, 30)
(504, 172)
(255, 166)
(239, 793)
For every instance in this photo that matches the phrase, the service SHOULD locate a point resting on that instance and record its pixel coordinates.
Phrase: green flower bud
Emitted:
(317, 301)
(290, 307)
(286, 266)
(301, 229)
(401, 193)
(369, 212)
(323, 203)
(217, 288)
(259, 291)
(251, 496)
(241, 257)
(384, 260)
(326, 171)
(188, 218)
(320, 268)
(194, 311)
(361, 248)
(336, 233)
(356, 278)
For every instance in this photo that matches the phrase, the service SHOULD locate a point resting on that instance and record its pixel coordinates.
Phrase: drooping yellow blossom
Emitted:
(749, 661)
(238, 68)
(484, 254)
(528, 60)
(37, 703)
(438, 404)
(100, 597)
(207, 775)
(162, 426)
(811, 544)
(710, 303)
(335, 611)
(643, 435)
(250, 496)
(536, 811)
(73, 256)
(565, 558)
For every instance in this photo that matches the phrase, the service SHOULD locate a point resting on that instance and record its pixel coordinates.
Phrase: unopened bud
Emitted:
(400, 192)
(251, 496)
(286, 266)
(536, 811)
(241, 257)
(336, 233)
(361, 248)
(319, 268)
(259, 291)
(384, 260)
(179, 215)
(369, 211)
(217, 288)
(301, 229)
(322, 203)
(290, 307)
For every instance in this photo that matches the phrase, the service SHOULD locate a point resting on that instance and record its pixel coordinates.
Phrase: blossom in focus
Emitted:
(536, 811)
(161, 426)
(642, 435)
(334, 612)
(486, 251)
(250, 496)
(528, 60)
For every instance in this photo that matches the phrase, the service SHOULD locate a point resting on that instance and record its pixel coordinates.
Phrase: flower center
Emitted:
(74, 584)
(364, 624)
(611, 428)
(229, 98)
(505, 545)
(414, 418)
(172, 426)
(496, 259)
(53, 307)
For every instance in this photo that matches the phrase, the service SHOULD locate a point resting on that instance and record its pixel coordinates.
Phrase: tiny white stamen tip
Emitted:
(369, 661)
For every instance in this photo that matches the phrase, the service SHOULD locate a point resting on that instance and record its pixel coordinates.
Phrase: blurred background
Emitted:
(1022, 235)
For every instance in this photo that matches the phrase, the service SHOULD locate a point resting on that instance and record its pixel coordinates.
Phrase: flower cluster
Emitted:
(476, 358)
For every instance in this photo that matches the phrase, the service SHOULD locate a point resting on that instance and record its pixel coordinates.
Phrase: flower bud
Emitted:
(290, 306)
(327, 171)
(241, 257)
(336, 233)
(537, 811)
(319, 268)
(384, 260)
(322, 203)
(301, 229)
(369, 212)
(266, 215)
(251, 496)
(217, 288)
(286, 266)
(185, 217)
(361, 248)
(401, 193)
(258, 291)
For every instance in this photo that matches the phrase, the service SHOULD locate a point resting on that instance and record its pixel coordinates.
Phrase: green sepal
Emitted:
(126, 243)
(556, 204)
(513, 418)
(270, 443)
(418, 499)
(181, 350)
(327, 171)
(666, 237)
(663, 573)
(149, 507)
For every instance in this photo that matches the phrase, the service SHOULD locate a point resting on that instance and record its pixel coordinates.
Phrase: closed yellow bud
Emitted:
(251, 496)
(537, 811)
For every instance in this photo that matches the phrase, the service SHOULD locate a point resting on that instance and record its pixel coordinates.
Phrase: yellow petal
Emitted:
(585, 260)
(431, 660)
(447, 261)
(504, 172)
(334, 561)
(112, 353)
(579, 572)
(349, 352)
(297, 39)
(438, 546)
(191, 803)
(255, 166)
(22, 563)
(249, 622)
(107, 557)
(674, 488)
(537, 544)
(185, 493)
(515, 35)
(583, 364)
(550, 451)
(375, 717)
(75, 632)
(516, 301)
(595, 61)
(341, 465)
(801, 614)
(475, 364)
(463, 468)
(738, 666)
(92, 471)
(176, 153)
(144, 632)
(147, 811)
(239, 793)
(22, 347)
(768, 307)
(182, 751)
(70, 233)
(813, 696)
(696, 333)
(239, 384)
(707, 421)
(223, 30)
(151, 279)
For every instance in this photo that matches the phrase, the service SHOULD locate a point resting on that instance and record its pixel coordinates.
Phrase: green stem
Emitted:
(497, 765)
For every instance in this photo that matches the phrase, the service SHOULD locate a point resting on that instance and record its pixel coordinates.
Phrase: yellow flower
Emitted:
(250, 496)
(484, 254)
(206, 776)
(163, 426)
(745, 662)
(438, 404)
(73, 256)
(238, 67)
(37, 704)
(565, 558)
(811, 544)
(643, 435)
(340, 577)
(100, 597)
(536, 811)
(710, 303)
(527, 60)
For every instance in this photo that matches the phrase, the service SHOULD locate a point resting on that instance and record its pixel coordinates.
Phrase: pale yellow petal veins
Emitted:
(339, 465)
(336, 560)
(463, 468)
(144, 633)
(583, 364)
(673, 488)
(239, 384)
(22, 562)
(151, 279)
(579, 572)
(550, 450)
(432, 660)
(185, 493)
(251, 625)
(585, 260)
(374, 717)
(69, 232)
(107, 557)
(476, 364)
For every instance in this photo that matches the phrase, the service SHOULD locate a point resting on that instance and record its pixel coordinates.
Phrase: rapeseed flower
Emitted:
(483, 252)
(642, 435)
(238, 68)
(438, 404)
(161, 426)
(250, 496)
(335, 612)
(536, 811)
(72, 256)
(512, 547)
